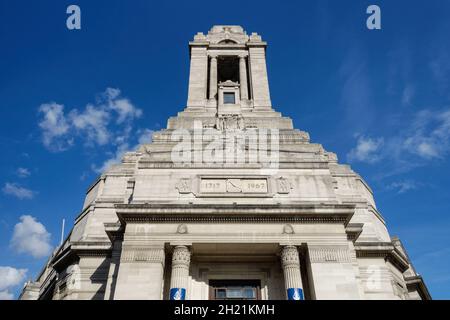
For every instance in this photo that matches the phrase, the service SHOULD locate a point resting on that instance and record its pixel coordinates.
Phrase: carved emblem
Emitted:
(284, 186)
(182, 229)
(288, 229)
(230, 122)
(184, 186)
(234, 185)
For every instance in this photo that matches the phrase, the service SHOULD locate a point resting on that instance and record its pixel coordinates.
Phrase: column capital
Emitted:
(213, 55)
(290, 262)
(289, 256)
(181, 256)
(243, 55)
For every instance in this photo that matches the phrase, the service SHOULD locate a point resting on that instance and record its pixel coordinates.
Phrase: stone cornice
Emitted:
(80, 249)
(417, 283)
(384, 250)
(354, 230)
(251, 213)
(48, 284)
(114, 231)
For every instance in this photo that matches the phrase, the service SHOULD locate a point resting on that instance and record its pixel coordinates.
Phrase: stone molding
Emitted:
(252, 213)
(329, 254)
(230, 219)
(142, 254)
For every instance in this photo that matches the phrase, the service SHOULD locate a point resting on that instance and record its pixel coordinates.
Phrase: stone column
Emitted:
(181, 260)
(243, 78)
(213, 78)
(290, 262)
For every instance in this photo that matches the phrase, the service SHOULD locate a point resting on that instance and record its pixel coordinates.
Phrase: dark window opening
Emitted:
(208, 75)
(229, 98)
(228, 69)
(235, 289)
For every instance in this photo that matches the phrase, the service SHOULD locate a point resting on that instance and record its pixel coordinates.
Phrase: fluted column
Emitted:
(243, 78)
(290, 262)
(181, 260)
(213, 78)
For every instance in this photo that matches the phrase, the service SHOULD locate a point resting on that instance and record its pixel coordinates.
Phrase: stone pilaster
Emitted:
(290, 262)
(113, 269)
(213, 78)
(141, 272)
(258, 74)
(198, 78)
(243, 78)
(181, 260)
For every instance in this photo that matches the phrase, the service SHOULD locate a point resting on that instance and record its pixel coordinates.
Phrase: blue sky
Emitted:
(379, 99)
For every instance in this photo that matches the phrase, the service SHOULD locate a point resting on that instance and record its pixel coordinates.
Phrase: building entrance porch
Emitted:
(237, 272)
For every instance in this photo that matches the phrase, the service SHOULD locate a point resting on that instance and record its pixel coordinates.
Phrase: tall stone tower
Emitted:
(229, 202)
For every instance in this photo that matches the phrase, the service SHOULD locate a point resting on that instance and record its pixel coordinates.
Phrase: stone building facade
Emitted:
(284, 221)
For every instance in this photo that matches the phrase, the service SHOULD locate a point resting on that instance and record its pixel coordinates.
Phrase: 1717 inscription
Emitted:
(243, 185)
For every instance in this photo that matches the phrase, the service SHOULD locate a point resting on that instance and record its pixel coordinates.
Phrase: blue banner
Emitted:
(178, 294)
(295, 294)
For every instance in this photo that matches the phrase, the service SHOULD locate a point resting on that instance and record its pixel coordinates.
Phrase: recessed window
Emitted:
(229, 98)
(235, 289)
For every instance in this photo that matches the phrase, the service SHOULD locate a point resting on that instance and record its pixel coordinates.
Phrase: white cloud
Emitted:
(9, 278)
(403, 186)
(17, 191)
(115, 159)
(407, 95)
(145, 136)
(124, 108)
(92, 124)
(107, 122)
(422, 138)
(427, 150)
(440, 69)
(23, 172)
(55, 128)
(366, 150)
(6, 295)
(357, 96)
(429, 134)
(31, 237)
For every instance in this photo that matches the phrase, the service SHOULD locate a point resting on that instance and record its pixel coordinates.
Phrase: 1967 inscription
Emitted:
(245, 185)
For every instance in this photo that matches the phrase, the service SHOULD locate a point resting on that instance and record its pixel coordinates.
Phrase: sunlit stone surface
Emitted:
(302, 227)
